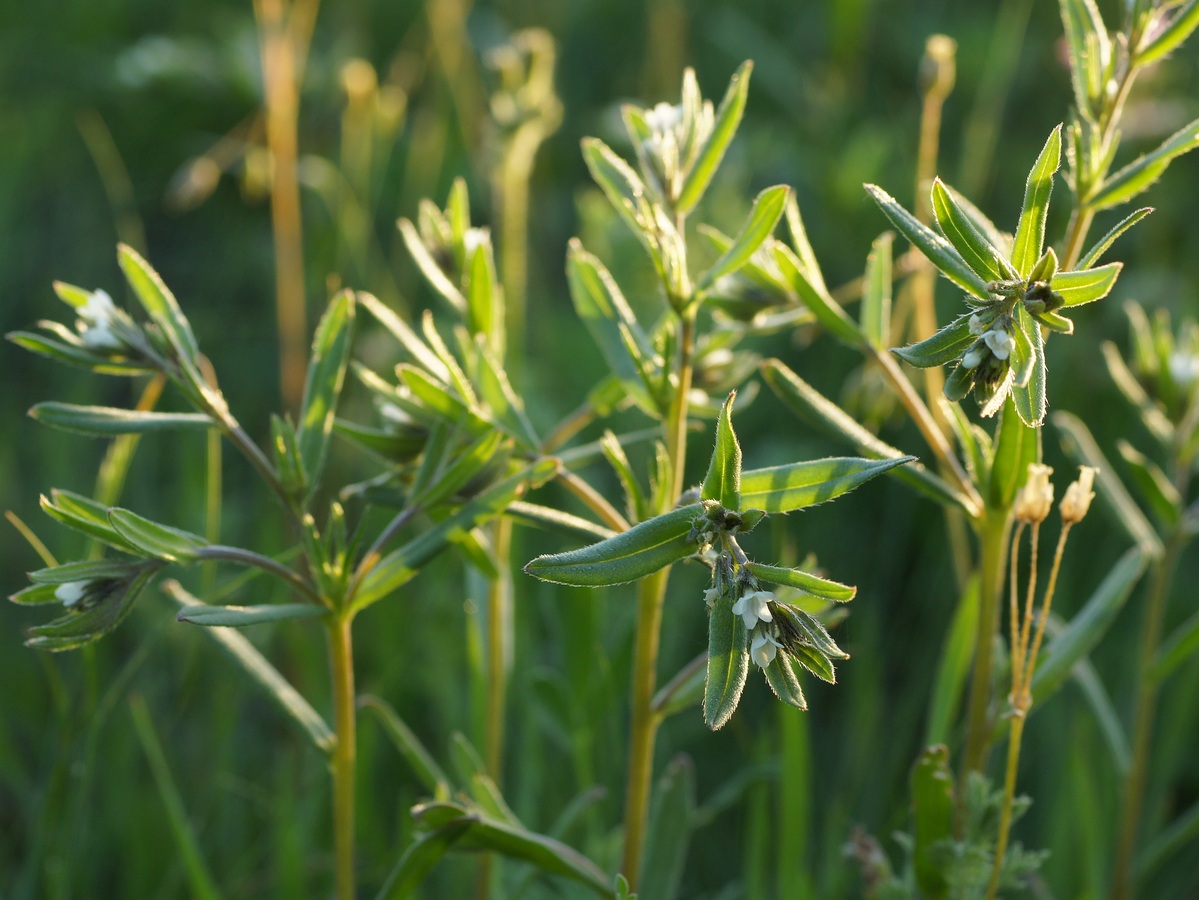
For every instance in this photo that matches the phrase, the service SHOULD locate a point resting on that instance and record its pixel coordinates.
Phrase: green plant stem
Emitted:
(1009, 796)
(651, 594)
(499, 627)
(1145, 706)
(994, 533)
(341, 663)
(257, 560)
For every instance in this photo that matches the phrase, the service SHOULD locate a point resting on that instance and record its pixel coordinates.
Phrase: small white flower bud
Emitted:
(972, 358)
(754, 606)
(663, 117)
(1036, 497)
(764, 648)
(96, 318)
(473, 239)
(710, 597)
(1001, 343)
(71, 593)
(1078, 496)
(977, 325)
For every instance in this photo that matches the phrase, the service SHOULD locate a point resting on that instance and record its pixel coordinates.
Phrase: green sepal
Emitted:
(814, 661)
(780, 675)
(728, 661)
(804, 581)
(723, 481)
(642, 550)
(945, 346)
(786, 488)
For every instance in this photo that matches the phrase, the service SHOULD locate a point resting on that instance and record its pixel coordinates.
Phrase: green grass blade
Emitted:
(875, 316)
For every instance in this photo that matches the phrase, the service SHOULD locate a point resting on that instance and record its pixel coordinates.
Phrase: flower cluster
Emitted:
(754, 609)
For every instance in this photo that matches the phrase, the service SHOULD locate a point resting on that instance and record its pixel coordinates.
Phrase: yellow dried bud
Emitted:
(1036, 497)
(1078, 496)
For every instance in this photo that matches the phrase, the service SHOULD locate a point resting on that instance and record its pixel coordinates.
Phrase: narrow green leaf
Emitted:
(1031, 400)
(813, 661)
(728, 662)
(159, 303)
(1157, 44)
(642, 550)
(430, 774)
(875, 316)
(1090, 51)
(555, 519)
(420, 857)
(781, 489)
(759, 225)
(429, 268)
(75, 354)
(1089, 625)
(486, 833)
(808, 403)
(1016, 445)
(1087, 285)
(1104, 710)
(401, 565)
(87, 570)
(1078, 443)
(636, 505)
(723, 481)
(780, 675)
(1180, 646)
(506, 405)
(200, 882)
(828, 312)
(728, 118)
(483, 300)
(105, 421)
(671, 819)
(1140, 174)
(403, 333)
(1093, 255)
(326, 375)
(466, 466)
(939, 251)
(941, 348)
(933, 809)
(804, 253)
(804, 581)
(978, 252)
(1178, 835)
(1155, 487)
(620, 184)
(1030, 233)
(243, 616)
(85, 515)
(1155, 421)
(160, 541)
(278, 688)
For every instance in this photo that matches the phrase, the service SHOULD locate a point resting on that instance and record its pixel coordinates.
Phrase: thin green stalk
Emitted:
(341, 664)
(499, 625)
(651, 594)
(1009, 795)
(1145, 706)
(994, 532)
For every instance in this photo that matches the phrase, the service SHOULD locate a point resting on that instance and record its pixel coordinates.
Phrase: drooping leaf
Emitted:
(1030, 233)
(785, 488)
(727, 119)
(642, 550)
(243, 616)
(939, 251)
(723, 481)
(728, 662)
(780, 675)
(105, 421)
(326, 375)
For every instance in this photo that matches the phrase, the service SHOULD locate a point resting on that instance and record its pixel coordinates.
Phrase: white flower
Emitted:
(473, 239)
(99, 308)
(95, 322)
(71, 593)
(663, 118)
(1078, 496)
(1001, 343)
(711, 595)
(753, 606)
(972, 358)
(1184, 369)
(977, 325)
(1036, 497)
(764, 648)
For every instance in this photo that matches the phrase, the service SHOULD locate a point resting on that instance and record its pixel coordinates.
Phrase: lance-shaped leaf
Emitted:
(466, 466)
(484, 298)
(975, 249)
(159, 303)
(780, 675)
(875, 316)
(620, 184)
(828, 312)
(403, 333)
(105, 421)
(1090, 51)
(1154, 485)
(1138, 175)
(728, 118)
(1159, 43)
(326, 375)
(1093, 255)
(101, 615)
(939, 251)
(941, 348)
(1087, 285)
(1180, 646)
(424, 766)
(160, 541)
(87, 516)
(723, 481)
(420, 857)
(1030, 398)
(401, 566)
(72, 352)
(86, 570)
(933, 811)
(1030, 233)
(242, 616)
(728, 662)
(642, 550)
(428, 266)
(814, 661)
(804, 581)
(1089, 625)
(487, 833)
(765, 214)
(781, 489)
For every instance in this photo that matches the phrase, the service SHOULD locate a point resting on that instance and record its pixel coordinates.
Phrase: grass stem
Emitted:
(341, 663)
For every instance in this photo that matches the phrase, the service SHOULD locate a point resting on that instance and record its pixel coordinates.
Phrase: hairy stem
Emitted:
(341, 663)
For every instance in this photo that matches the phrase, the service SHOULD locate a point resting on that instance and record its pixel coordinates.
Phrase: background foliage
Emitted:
(833, 104)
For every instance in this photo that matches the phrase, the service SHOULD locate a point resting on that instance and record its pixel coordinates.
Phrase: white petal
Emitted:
(71, 592)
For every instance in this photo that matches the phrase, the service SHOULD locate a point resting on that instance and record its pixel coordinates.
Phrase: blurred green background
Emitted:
(92, 90)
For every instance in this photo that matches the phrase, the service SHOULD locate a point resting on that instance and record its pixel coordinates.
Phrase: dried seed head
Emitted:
(1079, 495)
(1036, 497)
